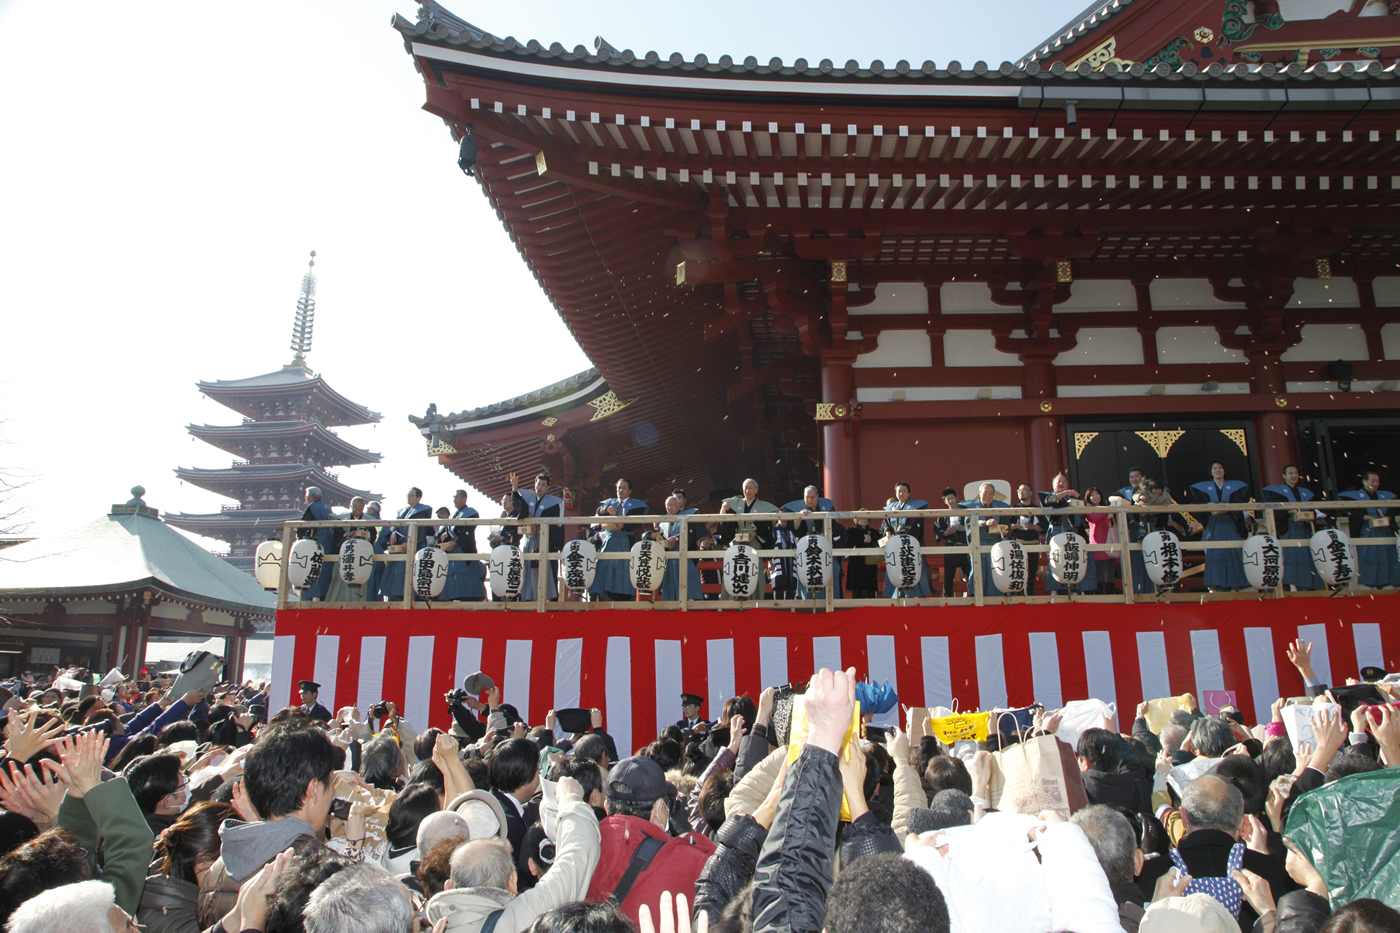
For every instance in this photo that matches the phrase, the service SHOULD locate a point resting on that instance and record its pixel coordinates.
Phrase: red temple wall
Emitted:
(931, 456)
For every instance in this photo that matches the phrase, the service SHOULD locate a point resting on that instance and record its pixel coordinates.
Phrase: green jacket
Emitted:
(109, 815)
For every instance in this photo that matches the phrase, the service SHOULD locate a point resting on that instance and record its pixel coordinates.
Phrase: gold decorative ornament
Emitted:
(1047, 406)
(824, 411)
(540, 167)
(440, 448)
(1101, 55)
(680, 273)
(1064, 272)
(840, 411)
(1236, 435)
(1324, 268)
(607, 405)
(550, 421)
(1081, 440)
(1161, 441)
(1281, 401)
(838, 270)
(1204, 35)
(549, 437)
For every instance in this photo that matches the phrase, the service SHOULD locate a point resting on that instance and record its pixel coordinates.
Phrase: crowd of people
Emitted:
(186, 807)
(1297, 511)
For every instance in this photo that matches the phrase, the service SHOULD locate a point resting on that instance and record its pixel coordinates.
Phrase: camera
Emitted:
(379, 710)
(340, 808)
(455, 697)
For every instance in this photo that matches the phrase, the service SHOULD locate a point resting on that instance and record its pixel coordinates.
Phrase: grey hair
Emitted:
(1172, 736)
(482, 863)
(358, 499)
(313, 492)
(1211, 802)
(811, 489)
(1111, 835)
(1211, 735)
(80, 907)
(379, 760)
(361, 899)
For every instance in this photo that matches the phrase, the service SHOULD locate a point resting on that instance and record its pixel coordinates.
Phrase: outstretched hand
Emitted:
(672, 921)
(829, 706)
(1300, 656)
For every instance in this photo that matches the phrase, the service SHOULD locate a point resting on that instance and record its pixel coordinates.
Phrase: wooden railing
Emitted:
(1268, 518)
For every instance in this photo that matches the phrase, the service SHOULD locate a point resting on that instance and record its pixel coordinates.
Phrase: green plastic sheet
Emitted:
(1350, 830)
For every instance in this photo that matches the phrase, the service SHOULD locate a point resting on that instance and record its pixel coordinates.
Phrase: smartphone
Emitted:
(340, 808)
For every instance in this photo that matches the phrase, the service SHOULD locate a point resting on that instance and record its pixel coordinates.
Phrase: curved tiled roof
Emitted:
(557, 391)
(1078, 27)
(435, 25)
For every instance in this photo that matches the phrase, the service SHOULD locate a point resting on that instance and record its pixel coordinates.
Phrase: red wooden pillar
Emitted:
(840, 464)
(1275, 432)
(1045, 433)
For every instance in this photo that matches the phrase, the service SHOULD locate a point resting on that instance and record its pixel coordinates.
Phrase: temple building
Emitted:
(1165, 236)
(284, 445)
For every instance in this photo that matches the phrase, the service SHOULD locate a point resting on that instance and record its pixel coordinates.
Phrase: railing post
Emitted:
(974, 541)
(683, 564)
(1125, 558)
(410, 539)
(541, 564)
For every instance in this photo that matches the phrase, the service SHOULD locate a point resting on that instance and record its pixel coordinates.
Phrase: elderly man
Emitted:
(758, 534)
(1212, 815)
(810, 507)
(483, 886)
(989, 532)
(318, 511)
(671, 538)
(1116, 847)
(914, 527)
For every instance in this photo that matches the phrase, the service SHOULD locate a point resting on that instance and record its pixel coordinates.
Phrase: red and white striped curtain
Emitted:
(635, 664)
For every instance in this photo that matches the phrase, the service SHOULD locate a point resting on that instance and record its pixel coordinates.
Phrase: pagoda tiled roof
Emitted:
(306, 473)
(576, 389)
(128, 549)
(287, 378)
(226, 432)
(234, 517)
(437, 26)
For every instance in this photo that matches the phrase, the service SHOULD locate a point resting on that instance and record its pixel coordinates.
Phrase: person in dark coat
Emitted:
(1106, 773)
(309, 704)
(318, 511)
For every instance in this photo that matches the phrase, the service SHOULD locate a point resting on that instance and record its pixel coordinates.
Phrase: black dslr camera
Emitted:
(379, 710)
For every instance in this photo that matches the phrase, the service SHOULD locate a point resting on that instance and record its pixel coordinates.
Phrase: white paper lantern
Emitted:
(429, 572)
(304, 564)
(1334, 556)
(903, 563)
(647, 566)
(1068, 556)
(356, 561)
(743, 572)
(1009, 566)
(507, 571)
(814, 565)
(1161, 555)
(578, 563)
(267, 564)
(1263, 561)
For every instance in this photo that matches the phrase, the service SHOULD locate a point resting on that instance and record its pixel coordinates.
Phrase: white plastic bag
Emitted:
(1079, 716)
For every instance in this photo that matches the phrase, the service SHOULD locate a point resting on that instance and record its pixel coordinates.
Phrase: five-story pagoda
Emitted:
(284, 444)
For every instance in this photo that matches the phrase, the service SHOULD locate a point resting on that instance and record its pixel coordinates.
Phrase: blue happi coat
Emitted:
(1298, 569)
(1224, 566)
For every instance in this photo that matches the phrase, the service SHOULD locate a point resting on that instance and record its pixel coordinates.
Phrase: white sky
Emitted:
(167, 168)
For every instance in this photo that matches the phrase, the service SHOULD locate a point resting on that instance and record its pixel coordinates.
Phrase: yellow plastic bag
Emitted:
(1159, 712)
(797, 737)
(960, 726)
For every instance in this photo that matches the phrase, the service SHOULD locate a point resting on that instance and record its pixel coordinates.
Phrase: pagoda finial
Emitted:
(306, 314)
